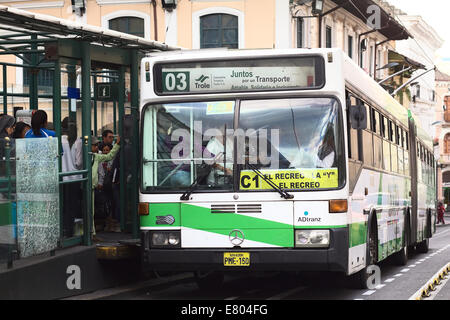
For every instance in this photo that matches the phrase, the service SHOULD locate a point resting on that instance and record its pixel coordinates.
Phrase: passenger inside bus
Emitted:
(221, 149)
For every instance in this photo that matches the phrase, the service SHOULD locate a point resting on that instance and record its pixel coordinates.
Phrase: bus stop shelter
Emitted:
(89, 66)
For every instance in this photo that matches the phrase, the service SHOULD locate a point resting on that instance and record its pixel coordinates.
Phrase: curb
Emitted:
(431, 285)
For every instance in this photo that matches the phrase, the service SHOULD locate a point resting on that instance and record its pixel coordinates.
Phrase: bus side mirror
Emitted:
(358, 117)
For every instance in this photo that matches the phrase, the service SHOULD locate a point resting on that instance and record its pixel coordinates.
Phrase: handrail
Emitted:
(72, 173)
(72, 181)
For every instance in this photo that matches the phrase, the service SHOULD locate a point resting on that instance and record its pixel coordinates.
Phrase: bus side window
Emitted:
(397, 135)
(402, 137)
(353, 150)
(407, 141)
(385, 128)
(369, 122)
(390, 131)
(367, 143)
(373, 119)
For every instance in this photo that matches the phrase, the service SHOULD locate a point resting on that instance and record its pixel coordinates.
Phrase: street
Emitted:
(397, 283)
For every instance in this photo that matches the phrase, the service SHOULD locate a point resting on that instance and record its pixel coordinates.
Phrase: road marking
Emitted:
(440, 234)
(398, 275)
(404, 270)
(389, 280)
(380, 286)
(412, 266)
(368, 293)
(286, 294)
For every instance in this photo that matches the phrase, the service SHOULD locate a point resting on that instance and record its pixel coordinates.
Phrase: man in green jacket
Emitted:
(98, 158)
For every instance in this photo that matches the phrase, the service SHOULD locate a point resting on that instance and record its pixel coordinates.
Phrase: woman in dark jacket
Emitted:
(6, 126)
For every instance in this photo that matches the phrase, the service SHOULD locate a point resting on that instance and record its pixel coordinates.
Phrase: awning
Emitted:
(404, 60)
(390, 28)
(20, 21)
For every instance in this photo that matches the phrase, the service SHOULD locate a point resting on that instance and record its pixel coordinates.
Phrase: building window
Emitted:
(300, 26)
(131, 25)
(44, 78)
(328, 37)
(418, 91)
(219, 30)
(350, 47)
(447, 143)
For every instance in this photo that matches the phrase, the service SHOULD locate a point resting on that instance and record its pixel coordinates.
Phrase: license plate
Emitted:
(236, 259)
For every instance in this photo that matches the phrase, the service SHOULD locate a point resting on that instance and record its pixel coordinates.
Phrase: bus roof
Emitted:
(353, 75)
(378, 96)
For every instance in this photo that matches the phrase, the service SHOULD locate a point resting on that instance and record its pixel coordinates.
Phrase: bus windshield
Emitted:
(304, 148)
(296, 143)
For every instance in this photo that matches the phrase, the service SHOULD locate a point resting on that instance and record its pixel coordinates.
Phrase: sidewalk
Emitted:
(70, 272)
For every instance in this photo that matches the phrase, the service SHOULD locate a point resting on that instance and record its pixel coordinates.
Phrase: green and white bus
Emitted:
(278, 160)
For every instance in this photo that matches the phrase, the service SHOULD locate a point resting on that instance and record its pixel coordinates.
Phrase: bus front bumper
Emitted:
(334, 258)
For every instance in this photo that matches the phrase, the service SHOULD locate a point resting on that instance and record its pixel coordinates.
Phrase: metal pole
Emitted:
(86, 133)
(121, 107)
(115, 116)
(395, 74)
(57, 126)
(134, 84)
(8, 175)
(410, 81)
(5, 90)
(95, 106)
(34, 76)
(72, 81)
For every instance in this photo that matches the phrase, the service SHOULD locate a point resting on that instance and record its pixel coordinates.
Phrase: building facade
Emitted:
(422, 48)
(442, 139)
(249, 24)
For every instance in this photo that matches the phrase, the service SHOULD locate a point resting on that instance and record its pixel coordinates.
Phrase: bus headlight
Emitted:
(312, 238)
(165, 239)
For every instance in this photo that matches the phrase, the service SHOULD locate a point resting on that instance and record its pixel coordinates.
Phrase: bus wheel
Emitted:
(423, 246)
(208, 280)
(401, 257)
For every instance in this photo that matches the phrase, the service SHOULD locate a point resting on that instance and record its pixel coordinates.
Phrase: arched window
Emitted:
(131, 25)
(447, 143)
(219, 30)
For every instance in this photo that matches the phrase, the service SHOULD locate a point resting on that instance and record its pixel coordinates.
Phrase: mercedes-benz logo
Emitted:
(236, 237)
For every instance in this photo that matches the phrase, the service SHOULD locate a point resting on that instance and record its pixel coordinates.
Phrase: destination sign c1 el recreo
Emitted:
(298, 179)
(235, 76)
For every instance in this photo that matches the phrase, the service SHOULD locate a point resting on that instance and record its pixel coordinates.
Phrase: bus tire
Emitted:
(401, 257)
(360, 279)
(422, 247)
(207, 281)
(429, 232)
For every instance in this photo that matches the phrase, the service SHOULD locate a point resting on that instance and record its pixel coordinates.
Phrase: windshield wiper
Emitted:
(284, 194)
(207, 169)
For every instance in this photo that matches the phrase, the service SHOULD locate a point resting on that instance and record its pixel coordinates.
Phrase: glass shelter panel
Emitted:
(37, 195)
